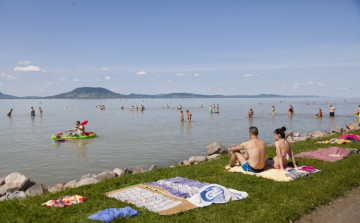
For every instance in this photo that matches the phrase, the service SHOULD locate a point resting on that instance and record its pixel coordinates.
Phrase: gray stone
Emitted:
(288, 134)
(37, 189)
(318, 134)
(61, 184)
(3, 198)
(216, 148)
(184, 163)
(307, 135)
(87, 181)
(104, 175)
(88, 176)
(346, 130)
(337, 129)
(172, 166)
(14, 182)
(298, 139)
(55, 189)
(196, 163)
(118, 171)
(16, 195)
(138, 169)
(289, 139)
(125, 171)
(153, 167)
(71, 184)
(45, 187)
(351, 126)
(2, 181)
(197, 159)
(213, 157)
(296, 134)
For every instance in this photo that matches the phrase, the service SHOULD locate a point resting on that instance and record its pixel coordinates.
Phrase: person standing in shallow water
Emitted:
(40, 111)
(210, 110)
(32, 112)
(332, 111)
(181, 116)
(188, 115)
(9, 112)
(273, 110)
(250, 113)
(291, 110)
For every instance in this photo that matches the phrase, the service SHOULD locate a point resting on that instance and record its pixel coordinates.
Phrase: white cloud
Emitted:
(322, 85)
(263, 71)
(168, 80)
(63, 79)
(0, 84)
(98, 80)
(11, 77)
(50, 83)
(75, 80)
(157, 76)
(108, 78)
(141, 73)
(29, 68)
(309, 83)
(24, 62)
(295, 86)
(106, 69)
(197, 75)
(182, 74)
(250, 75)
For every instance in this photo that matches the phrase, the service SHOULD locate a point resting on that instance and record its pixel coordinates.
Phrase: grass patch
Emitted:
(268, 201)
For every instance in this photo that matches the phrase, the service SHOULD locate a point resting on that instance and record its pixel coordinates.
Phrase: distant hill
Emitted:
(5, 96)
(103, 93)
(88, 93)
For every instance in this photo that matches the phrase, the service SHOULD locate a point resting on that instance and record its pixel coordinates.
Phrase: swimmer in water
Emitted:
(32, 111)
(273, 110)
(132, 108)
(40, 111)
(210, 109)
(9, 112)
(291, 110)
(251, 113)
(181, 116)
(201, 106)
(332, 111)
(188, 115)
(320, 113)
(122, 106)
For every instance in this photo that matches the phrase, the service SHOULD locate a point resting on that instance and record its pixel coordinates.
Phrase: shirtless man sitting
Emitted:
(254, 158)
(78, 127)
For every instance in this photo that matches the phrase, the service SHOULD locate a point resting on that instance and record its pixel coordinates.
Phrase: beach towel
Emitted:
(179, 187)
(331, 154)
(337, 141)
(296, 174)
(109, 214)
(350, 136)
(268, 173)
(214, 193)
(65, 201)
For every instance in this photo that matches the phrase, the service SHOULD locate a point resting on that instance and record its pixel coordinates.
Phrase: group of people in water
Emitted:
(32, 111)
(189, 115)
(253, 157)
(212, 107)
(142, 108)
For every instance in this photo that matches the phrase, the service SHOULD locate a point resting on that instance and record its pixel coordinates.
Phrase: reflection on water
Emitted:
(155, 133)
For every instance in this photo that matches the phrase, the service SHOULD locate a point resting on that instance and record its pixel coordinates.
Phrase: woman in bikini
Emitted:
(283, 151)
(291, 110)
(273, 110)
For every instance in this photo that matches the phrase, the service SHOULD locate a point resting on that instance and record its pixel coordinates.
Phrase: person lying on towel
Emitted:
(253, 160)
(283, 151)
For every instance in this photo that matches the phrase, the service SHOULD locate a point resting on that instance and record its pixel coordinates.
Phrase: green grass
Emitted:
(268, 201)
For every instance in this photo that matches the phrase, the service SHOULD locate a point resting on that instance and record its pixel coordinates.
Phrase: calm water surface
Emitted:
(155, 136)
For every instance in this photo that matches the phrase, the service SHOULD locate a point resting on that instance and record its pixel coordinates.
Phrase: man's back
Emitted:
(256, 150)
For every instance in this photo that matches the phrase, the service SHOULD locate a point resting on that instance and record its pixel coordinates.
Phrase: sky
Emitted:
(228, 47)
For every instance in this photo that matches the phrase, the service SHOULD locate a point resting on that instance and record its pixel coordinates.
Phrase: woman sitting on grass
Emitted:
(283, 151)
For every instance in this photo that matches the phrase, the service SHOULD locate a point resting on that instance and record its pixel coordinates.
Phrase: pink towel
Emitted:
(308, 169)
(331, 154)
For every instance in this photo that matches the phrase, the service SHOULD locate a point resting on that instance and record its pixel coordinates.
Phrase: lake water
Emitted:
(155, 136)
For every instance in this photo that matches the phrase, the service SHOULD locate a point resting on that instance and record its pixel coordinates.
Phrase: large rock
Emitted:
(118, 171)
(15, 182)
(87, 181)
(318, 134)
(61, 184)
(125, 171)
(55, 189)
(153, 167)
(197, 159)
(307, 135)
(71, 184)
(138, 169)
(184, 163)
(16, 195)
(45, 187)
(337, 129)
(213, 157)
(3, 198)
(105, 175)
(298, 139)
(2, 181)
(37, 189)
(88, 176)
(216, 148)
(288, 134)
(351, 126)
(289, 139)
(296, 134)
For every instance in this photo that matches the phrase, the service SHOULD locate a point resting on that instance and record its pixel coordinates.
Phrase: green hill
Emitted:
(88, 93)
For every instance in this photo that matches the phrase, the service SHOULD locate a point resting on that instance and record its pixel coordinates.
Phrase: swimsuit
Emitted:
(32, 114)
(247, 168)
(332, 113)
